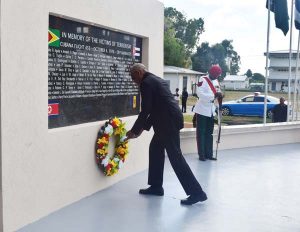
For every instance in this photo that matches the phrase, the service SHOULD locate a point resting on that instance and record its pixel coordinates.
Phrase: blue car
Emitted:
(251, 105)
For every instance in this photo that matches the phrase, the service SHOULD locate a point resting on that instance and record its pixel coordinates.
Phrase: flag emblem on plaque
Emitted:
(53, 109)
(136, 51)
(53, 37)
(134, 102)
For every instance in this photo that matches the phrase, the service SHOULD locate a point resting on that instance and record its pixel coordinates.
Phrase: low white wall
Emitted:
(245, 136)
(44, 170)
(174, 82)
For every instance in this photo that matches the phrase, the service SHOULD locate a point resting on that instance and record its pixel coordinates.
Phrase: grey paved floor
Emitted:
(249, 190)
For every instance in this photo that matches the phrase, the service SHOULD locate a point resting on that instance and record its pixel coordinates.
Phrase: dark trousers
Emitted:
(182, 170)
(183, 109)
(204, 131)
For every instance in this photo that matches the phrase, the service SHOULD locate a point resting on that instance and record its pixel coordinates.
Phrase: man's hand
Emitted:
(131, 135)
(218, 95)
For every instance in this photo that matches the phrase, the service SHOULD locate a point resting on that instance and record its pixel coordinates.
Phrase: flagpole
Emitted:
(296, 81)
(298, 99)
(267, 66)
(290, 60)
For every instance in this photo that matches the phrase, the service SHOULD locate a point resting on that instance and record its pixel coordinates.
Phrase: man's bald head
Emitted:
(137, 72)
(138, 66)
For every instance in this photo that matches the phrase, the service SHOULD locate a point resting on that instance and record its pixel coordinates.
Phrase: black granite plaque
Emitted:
(88, 73)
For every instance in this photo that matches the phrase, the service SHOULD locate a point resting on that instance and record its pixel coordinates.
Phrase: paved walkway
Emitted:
(249, 190)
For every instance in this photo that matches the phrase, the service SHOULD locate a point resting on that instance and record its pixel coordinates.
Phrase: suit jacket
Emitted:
(279, 113)
(158, 107)
(185, 95)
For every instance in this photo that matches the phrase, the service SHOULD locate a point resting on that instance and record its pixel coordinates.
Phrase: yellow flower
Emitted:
(102, 140)
(102, 151)
(120, 130)
(121, 150)
(113, 163)
(116, 122)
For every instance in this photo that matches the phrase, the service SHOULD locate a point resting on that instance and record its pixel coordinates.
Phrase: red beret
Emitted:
(215, 71)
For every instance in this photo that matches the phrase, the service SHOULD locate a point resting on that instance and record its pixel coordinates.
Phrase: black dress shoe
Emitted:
(202, 158)
(156, 191)
(192, 199)
(212, 158)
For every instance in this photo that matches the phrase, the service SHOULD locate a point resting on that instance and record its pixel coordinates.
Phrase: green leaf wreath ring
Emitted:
(111, 165)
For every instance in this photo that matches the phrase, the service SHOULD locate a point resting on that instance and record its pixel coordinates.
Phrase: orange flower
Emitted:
(115, 122)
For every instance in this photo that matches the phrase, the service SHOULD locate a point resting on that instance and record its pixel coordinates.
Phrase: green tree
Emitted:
(185, 32)
(194, 28)
(257, 77)
(232, 57)
(221, 53)
(235, 63)
(219, 57)
(248, 73)
(174, 50)
(201, 60)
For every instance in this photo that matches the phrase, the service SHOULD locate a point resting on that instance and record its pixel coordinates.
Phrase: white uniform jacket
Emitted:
(205, 104)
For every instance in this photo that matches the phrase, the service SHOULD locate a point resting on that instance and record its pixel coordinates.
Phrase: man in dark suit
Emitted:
(160, 110)
(185, 96)
(280, 111)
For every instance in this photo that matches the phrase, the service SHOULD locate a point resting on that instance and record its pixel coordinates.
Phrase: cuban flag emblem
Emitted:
(136, 51)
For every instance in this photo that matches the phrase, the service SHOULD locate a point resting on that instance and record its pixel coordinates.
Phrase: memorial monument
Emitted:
(72, 57)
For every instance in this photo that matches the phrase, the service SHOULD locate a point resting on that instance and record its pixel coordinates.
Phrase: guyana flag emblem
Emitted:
(53, 37)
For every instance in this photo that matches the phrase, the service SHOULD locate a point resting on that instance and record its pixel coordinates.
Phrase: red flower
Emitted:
(106, 136)
(114, 125)
(100, 145)
(108, 167)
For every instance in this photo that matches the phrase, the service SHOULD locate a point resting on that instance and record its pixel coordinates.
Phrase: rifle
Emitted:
(220, 99)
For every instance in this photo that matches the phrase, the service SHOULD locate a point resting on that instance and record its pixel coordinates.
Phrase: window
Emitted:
(259, 99)
(184, 82)
(247, 99)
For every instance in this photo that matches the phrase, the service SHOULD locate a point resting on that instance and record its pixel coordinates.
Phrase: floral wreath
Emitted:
(110, 166)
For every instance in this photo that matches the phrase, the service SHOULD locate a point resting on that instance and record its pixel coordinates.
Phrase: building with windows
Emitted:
(279, 70)
(181, 77)
(235, 82)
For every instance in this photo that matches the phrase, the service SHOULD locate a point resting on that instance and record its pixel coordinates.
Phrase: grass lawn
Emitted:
(233, 120)
(242, 120)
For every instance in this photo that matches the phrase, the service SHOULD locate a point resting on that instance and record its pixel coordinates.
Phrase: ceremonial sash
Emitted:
(212, 87)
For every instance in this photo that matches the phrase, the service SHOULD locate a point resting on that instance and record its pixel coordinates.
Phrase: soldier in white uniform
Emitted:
(205, 109)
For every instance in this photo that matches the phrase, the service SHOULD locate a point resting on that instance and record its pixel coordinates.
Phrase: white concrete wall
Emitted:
(278, 86)
(174, 81)
(245, 136)
(282, 62)
(190, 79)
(44, 170)
(235, 85)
